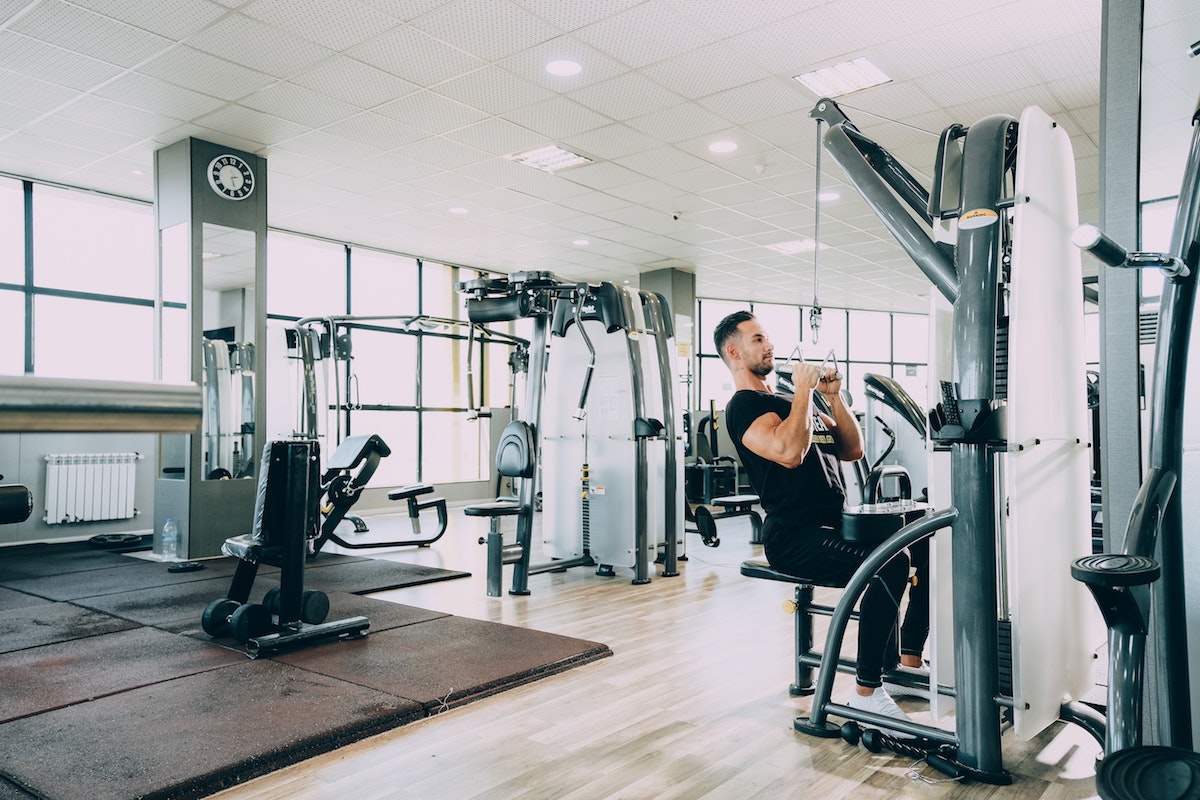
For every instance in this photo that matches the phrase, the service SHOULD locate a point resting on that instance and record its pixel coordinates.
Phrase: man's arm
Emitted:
(786, 441)
(843, 425)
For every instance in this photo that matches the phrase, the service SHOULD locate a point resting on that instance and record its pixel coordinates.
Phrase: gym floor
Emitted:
(692, 704)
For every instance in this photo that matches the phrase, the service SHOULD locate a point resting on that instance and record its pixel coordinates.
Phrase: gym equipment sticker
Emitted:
(978, 218)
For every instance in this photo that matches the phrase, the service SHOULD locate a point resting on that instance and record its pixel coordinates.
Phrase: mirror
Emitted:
(228, 353)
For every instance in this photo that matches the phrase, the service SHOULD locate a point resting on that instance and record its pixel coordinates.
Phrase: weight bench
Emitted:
(285, 518)
(347, 472)
(734, 505)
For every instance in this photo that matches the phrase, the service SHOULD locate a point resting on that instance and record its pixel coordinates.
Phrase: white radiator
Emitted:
(89, 487)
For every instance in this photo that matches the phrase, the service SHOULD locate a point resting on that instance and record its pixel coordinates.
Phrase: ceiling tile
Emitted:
(491, 29)
(415, 56)
(498, 137)
(354, 82)
(115, 116)
(493, 90)
(172, 20)
(89, 34)
(431, 112)
(329, 147)
(626, 96)
(677, 123)
(255, 44)
(336, 26)
(557, 118)
(375, 130)
(442, 152)
(531, 62)
(609, 142)
(258, 126)
(757, 101)
(48, 62)
(201, 72)
(645, 34)
(30, 92)
(570, 16)
(156, 96)
(704, 71)
(298, 104)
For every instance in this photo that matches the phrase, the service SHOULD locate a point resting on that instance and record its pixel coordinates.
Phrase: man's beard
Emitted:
(763, 368)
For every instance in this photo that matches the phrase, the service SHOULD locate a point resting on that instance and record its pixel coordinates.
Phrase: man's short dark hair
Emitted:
(727, 328)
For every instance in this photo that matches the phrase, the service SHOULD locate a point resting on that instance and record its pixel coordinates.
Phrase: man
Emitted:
(792, 453)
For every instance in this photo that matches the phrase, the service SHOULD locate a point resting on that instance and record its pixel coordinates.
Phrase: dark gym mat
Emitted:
(179, 609)
(326, 573)
(374, 575)
(448, 661)
(34, 626)
(9, 791)
(10, 599)
(192, 736)
(39, 560)
(66, 673)
(136, 574)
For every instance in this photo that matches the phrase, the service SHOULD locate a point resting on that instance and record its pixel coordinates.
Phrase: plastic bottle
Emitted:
(170, 541)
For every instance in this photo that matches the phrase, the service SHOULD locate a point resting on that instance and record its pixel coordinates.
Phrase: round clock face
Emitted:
(231, 177)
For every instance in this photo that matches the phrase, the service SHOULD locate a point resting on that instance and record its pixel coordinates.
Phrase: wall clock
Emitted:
(231, 177)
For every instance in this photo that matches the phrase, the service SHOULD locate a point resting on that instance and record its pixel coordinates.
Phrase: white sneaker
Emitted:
(900, 690)
(880, 702)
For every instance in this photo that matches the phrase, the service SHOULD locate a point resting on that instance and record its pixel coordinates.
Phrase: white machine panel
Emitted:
(1055, 625)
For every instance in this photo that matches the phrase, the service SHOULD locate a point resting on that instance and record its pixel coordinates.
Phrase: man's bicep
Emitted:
(759, 438)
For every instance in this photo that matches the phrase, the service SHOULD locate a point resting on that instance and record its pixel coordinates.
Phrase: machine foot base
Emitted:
(823, 730)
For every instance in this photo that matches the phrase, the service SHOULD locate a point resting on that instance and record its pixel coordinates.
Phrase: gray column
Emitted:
(1120, 121)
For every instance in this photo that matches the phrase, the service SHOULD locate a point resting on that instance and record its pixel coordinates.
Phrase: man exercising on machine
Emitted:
(792, 454)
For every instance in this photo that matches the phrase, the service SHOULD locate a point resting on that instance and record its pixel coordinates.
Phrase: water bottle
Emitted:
(170, 541)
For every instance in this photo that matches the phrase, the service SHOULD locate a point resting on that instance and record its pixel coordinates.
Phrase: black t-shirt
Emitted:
(810, 494)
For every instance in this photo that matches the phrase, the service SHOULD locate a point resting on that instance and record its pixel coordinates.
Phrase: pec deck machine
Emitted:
(597, 432)
(1013, 637)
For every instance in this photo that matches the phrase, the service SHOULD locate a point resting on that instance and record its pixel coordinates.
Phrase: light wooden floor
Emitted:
(693, 703)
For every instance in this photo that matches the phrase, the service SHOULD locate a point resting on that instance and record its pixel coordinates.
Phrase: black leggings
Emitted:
(821, 555)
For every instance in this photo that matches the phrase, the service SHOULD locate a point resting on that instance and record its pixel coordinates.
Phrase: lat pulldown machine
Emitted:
(993, 238)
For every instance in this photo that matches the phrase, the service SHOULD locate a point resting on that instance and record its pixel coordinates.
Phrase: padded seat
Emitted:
(802, 609)
(498, 508)
(756, 568)
(736, 501)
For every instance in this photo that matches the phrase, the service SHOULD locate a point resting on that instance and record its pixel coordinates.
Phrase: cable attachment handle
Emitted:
(830, 360)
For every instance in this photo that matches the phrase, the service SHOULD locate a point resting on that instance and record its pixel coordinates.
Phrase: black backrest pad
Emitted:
(516, 453)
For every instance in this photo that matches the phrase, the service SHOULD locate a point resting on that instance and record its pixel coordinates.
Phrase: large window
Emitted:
(892, 345)
(91, 292)
(12, 232)
(305, 277)
(88, 243)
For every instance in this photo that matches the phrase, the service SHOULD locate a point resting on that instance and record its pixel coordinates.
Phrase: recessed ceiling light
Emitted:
(722, 146)
(549, 158)
(830, 195)
(563, 67)
(794, 246)
(581, 242)
(458, 210)
(844, 78)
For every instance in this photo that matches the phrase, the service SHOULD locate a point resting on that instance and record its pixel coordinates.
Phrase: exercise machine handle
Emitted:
(581, 295)
(1099, 244)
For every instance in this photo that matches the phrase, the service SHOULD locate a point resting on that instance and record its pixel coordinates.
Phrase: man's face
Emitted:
(756, 350)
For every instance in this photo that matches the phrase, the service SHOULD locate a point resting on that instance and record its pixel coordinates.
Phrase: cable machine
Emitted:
(993, 237)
